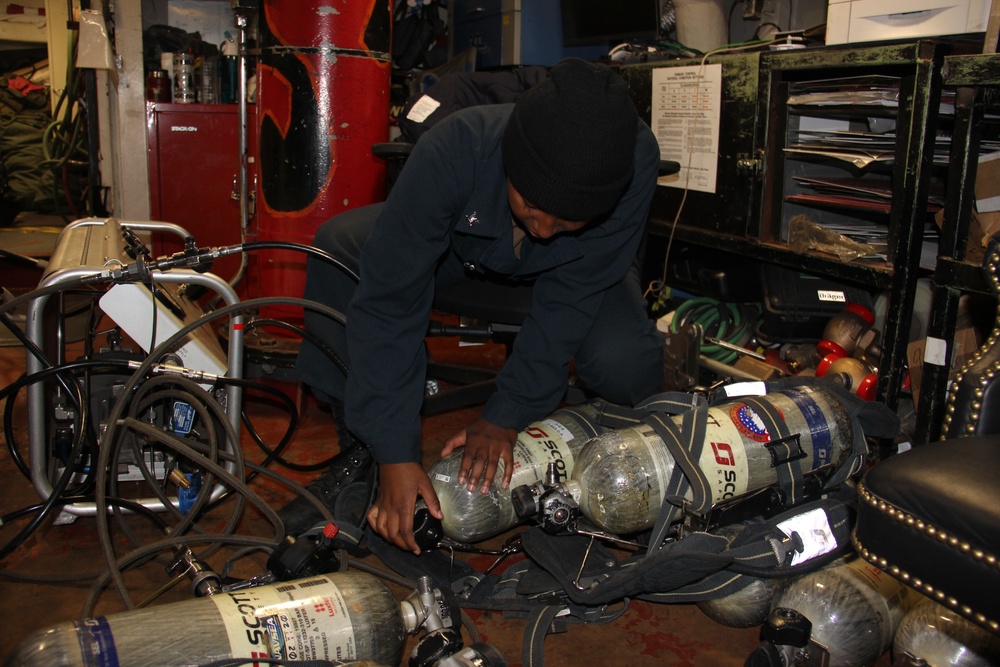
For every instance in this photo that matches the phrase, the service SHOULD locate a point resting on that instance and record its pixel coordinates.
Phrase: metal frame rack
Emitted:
(86, 248)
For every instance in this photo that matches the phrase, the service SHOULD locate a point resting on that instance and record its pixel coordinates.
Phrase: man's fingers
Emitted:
(453, 443)
(508, 469)
(475, 473)
(395, 528)
(431, 500)
(491, 471)
(465, 470)
(403, 533)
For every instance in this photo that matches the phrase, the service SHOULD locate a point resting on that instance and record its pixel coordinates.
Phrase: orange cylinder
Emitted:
(323, 83)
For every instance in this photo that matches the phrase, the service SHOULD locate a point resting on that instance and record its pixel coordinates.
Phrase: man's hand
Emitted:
(392, 514)
(485, 444)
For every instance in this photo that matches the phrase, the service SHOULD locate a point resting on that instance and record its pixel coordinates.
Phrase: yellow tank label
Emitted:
(538, 444)
(297, 620)
(724, 457)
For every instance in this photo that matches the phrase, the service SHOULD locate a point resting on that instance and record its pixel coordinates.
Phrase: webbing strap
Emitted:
(684, 442)
(786, 451)
(668, 402)
(585, 420)
(539, 624)
(544, 620)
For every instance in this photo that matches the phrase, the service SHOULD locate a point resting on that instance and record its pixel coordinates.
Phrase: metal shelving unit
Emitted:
(970, 75)
(749, 211)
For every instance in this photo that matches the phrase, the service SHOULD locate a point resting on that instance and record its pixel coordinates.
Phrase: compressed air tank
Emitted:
(854, 608)
(621, 475)
(344, 616)
(942, 638)
(749, 606)
(470, 516)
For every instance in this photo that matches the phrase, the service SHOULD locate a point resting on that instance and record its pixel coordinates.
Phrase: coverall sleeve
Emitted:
(387, 319)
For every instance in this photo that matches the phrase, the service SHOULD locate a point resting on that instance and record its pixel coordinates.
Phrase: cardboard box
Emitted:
(967, 341)
(981, 227)
(988, 183)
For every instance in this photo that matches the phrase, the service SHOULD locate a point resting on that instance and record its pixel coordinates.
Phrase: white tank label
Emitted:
(536, 445)
(298, 620)
(887, 586)
(559, 428)
(724, 457)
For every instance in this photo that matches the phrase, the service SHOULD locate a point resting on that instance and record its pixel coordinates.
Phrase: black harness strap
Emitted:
(668, 402)
(539, 625)
(684, 443)
(545, 620)
(786, 451)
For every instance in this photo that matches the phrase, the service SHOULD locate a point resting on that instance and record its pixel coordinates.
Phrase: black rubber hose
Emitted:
(307, 249)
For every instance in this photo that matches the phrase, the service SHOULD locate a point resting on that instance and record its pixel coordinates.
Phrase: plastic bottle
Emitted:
(854, 608)
(621, 475)
(942, 638)
(341, 616)
(228, 71)
(470, 516)
(185, 88)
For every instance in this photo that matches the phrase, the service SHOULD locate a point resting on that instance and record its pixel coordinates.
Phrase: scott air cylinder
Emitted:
(853, 606)
(471, 516)
(749, 606)
(939, 637)
(621, 476)
(344, 616)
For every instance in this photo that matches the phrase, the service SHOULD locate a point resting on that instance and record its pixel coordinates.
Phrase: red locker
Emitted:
(194, 165)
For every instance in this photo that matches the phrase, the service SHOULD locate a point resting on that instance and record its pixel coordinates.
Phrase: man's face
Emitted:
(536, 222)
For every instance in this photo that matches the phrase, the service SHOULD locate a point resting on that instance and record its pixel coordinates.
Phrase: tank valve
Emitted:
(551, 503)
(785, 640)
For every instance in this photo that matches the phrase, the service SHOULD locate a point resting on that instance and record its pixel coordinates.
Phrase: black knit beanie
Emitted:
(569, 146)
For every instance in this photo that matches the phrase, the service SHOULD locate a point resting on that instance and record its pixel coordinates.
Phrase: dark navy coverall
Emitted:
(446, 218)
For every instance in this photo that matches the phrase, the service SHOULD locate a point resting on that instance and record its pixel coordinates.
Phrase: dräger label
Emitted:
(300, 620)
(831, 295)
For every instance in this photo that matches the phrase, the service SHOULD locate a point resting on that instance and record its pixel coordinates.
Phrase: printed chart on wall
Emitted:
(685, 118)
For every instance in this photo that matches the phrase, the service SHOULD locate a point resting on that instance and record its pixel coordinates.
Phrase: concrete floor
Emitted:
(46, 580)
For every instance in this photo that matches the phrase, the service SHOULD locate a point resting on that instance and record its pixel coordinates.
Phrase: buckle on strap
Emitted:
(785, 450)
